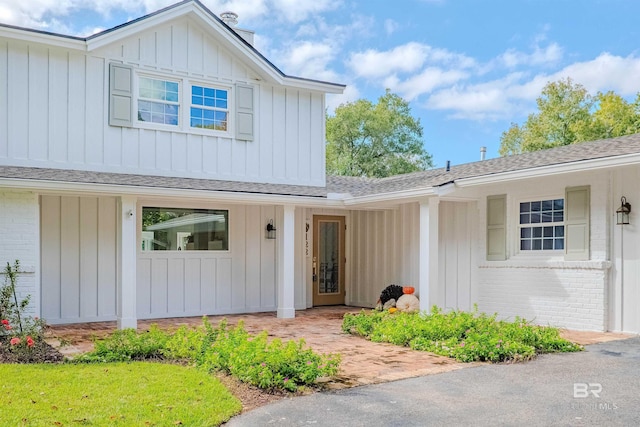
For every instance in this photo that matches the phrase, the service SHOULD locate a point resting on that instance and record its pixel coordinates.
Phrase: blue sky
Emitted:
(469, 68)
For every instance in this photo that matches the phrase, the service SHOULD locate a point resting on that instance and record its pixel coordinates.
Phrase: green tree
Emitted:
(375, 140)
(568, 114)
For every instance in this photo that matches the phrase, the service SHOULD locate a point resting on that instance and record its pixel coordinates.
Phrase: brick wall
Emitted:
(544, 288)
(563, 294)
(19, 239)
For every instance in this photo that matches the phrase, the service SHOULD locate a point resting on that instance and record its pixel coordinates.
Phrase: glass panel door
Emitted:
(328, 260)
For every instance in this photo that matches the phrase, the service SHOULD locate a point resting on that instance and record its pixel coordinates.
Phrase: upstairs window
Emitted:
(158, 101)
(542, 225)
(209, 108)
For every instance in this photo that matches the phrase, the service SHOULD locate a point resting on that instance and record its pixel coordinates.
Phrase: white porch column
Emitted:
(428, 266)
(127, 242)
(286, 267)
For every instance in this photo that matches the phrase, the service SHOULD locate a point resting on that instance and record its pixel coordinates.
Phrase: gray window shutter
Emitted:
(244, 112)
(120, 95)
(497, 228)
(577, 223)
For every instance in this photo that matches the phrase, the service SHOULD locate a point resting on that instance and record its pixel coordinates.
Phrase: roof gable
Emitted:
(221, 32)
(194, 11)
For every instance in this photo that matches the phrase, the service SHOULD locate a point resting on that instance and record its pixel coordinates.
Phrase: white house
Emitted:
(166, 168)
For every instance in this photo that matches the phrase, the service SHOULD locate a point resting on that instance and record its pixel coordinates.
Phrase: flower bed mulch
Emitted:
(41, 352)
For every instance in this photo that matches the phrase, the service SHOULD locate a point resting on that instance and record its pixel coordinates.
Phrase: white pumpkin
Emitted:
(408, 303)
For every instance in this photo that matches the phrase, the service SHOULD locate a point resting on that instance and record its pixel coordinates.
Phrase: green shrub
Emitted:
(127, 344)
(464, 336)
(252, 359)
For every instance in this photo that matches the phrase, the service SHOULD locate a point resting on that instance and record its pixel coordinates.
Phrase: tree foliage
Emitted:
(568, 114)
(375, 140)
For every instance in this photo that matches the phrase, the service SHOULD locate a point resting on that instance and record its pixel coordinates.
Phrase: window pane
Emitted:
(222, 94)
(197, 100)
(184, 229)
(208, 92)
(221, 104)
(196, 123)
(548, 212)
(157, 107)
(209, 102)
(172, 96)
(208, 114)
(196, 90)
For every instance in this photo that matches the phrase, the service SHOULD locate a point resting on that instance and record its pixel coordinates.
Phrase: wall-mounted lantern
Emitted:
(622, 213)
(270, 230)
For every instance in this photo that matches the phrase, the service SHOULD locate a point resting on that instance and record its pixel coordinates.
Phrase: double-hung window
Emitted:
(158, 101)
(209, 108)
(542, 225)
(178, 104)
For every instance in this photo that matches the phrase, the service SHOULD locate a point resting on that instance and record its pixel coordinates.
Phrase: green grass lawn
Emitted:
(112, 394)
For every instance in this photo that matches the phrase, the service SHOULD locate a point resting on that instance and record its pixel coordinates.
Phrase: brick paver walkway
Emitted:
(363, 362)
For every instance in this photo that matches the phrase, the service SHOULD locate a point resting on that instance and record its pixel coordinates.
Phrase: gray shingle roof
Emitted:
(613, 147)
(356, 186)
(148, 181)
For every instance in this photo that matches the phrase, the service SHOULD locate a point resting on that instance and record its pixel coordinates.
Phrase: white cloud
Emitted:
(299, 10)
(490, 100)
(390, 26)
(351, 93)
(424, 82)
(309, 59)
(375, 64)
(515, 93)
(549, 55)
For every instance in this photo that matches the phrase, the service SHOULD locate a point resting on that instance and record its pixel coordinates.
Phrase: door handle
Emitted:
(315, 276)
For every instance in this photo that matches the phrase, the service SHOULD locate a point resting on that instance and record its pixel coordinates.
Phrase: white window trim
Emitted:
(186, 253)
(187, 113)
(136, 97)
(184, 115)
(514, 240)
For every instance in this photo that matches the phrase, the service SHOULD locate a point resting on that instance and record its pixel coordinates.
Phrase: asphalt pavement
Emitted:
(599, 386)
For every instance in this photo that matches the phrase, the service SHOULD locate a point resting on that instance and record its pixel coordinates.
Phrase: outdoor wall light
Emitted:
(622, 213)
(270, 230)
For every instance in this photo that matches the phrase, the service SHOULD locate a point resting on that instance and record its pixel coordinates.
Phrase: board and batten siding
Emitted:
(196, 283)
(456, 268)
(385, 250)
(54, 107)
(78, 258)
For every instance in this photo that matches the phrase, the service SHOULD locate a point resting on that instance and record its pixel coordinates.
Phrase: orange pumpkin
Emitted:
(408, 290)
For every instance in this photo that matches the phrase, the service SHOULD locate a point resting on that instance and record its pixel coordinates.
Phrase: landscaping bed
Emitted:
(464, 336)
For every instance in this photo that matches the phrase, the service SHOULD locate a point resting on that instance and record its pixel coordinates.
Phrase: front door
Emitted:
(328, 260)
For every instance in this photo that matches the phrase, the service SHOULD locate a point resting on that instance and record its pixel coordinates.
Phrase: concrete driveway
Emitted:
(600, 386)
